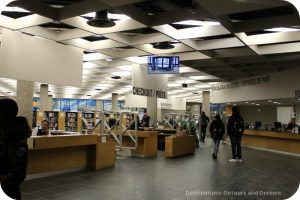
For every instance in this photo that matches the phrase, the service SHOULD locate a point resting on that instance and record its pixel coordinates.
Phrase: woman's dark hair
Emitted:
(8, 108)
(218, 117)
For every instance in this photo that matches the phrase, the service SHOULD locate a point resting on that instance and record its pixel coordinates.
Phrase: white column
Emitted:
(152, 108)
(99, 105)
(114, 102)
(206, 102)
(25, 99)
(44, 97)
(50, 102)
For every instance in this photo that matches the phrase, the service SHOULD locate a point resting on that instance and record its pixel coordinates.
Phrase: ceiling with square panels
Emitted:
(217, 41)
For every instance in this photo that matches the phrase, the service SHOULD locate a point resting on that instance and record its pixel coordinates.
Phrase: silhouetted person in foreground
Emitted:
(14, 132)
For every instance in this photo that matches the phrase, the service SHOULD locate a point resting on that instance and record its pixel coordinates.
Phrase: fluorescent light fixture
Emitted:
(93, 56)
(109, 15)
(253, 103)
(257, 104)
(117, 16)
(203, 86)
(282, 29)
(138, 60)
(125, 67)
(186, 81)
(246, 102)
(199, 77)
(124, 73)
(197, 23)
(275, 102)
(191, 88)
(174, 84)
(89, 65)
(14, 9)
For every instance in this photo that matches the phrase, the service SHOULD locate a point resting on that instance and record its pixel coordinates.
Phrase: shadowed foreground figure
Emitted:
(14, 132)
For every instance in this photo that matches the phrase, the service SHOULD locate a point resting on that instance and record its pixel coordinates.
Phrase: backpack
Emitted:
(238, 125)
(217, 130)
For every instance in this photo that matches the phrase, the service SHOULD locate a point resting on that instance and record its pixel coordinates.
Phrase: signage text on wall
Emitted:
(149, 92)
(243, 83)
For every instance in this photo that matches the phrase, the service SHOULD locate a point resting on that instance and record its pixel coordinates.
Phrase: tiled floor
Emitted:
(190, 177)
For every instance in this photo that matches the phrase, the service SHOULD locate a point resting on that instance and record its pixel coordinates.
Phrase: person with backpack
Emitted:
(217, 130)
(14, 132)
(235, 130)
(204, 122)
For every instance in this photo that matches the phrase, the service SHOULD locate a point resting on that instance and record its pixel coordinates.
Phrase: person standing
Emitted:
(146, 120)
(14, 132)
(204, 122)
(217, 130)
(235, 130)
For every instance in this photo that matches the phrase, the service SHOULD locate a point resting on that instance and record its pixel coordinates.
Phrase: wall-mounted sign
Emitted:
(278, 85)
(149, 85)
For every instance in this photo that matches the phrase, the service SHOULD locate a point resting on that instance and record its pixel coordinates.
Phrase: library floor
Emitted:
(262, 175)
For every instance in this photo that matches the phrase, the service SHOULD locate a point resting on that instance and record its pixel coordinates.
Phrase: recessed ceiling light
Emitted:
(197, 23)
(275, 102)
(253, 103)
(246, 102)
(281, 29)
(109, 59)
(234, 104)
(257, 104)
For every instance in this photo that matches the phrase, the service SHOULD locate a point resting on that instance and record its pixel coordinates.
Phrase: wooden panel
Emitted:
(286, 142)
(46, 142)
(61, 120)
(105, 155)
(177, 146)
(57, 159)
(150, 147)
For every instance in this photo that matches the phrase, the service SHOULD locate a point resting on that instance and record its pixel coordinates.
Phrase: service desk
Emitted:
(63, 152)
(147, 143)
(286, 142)
(179, 145)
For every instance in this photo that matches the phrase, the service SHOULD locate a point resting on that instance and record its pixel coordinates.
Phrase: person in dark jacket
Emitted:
(145, 120)
(14, 132)
(204, 122)
(217, 130)
(235, 130)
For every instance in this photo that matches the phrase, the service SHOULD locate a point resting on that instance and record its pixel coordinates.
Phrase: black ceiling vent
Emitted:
(115, 77)
(184, 85)
(101, 20)
(163, 45)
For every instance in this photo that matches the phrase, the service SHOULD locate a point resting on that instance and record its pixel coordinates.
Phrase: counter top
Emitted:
(291, 136)
(58, 141)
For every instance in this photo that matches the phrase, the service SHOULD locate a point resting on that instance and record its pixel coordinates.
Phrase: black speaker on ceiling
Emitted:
(163, 45)
(184, 85)
(101, 20)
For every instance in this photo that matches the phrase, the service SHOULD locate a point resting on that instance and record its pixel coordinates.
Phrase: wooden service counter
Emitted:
(287, 142)
(147, 143)
(62, 152)
(179, 145)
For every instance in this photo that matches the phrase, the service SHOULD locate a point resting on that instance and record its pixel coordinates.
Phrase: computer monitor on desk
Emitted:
(277, 125)
(257, 125)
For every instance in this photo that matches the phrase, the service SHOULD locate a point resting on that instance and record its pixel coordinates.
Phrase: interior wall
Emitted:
(166, 111)
(265, 114)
